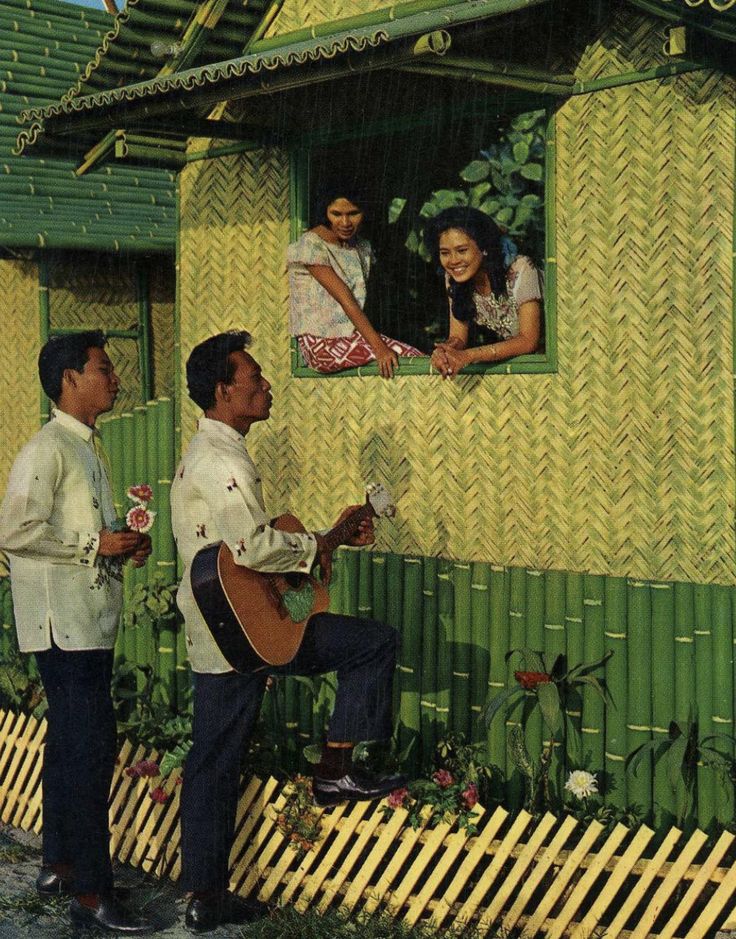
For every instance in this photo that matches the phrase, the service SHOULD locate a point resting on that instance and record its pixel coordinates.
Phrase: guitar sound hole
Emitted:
(295, 581)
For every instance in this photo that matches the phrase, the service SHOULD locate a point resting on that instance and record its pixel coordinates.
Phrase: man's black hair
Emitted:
(209, 364)
(63, 352)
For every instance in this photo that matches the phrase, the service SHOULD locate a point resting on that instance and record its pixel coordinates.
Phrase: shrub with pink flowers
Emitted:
(452, 789)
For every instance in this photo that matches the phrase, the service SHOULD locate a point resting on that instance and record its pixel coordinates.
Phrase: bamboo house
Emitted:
(579, 499)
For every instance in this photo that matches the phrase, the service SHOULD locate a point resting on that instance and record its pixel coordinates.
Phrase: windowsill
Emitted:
(537, 363)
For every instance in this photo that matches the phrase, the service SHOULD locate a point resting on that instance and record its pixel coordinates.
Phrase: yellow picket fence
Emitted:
(518, 876)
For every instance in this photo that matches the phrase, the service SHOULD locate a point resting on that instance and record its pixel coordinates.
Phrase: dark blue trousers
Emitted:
(226, 706)
(78, 764)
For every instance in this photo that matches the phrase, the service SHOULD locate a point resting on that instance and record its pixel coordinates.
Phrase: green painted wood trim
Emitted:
(501, 79)
(550, 242)
(383, 15)
(211, 153)
(712, 24)
(632, 78)
(44, 326)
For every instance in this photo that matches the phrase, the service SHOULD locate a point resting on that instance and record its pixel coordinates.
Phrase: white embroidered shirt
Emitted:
(57, 500)
(217, 496)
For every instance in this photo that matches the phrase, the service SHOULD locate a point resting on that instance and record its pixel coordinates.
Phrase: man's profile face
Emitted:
(250, 397)
(97, 385)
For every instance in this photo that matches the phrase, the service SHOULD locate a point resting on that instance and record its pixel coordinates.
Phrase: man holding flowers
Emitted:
(58, 527)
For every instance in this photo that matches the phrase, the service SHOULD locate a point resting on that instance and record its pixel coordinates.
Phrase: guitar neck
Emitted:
(343, 532)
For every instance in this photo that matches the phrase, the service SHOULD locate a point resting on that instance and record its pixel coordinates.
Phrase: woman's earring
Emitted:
(485, 254)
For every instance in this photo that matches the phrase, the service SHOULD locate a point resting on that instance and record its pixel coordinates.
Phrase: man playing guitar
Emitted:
(216, 497)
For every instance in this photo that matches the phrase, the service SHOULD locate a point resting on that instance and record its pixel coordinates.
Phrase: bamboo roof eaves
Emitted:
(44, 44)
(288, 55)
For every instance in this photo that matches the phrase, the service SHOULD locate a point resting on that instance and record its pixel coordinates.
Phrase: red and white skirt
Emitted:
(334, 353)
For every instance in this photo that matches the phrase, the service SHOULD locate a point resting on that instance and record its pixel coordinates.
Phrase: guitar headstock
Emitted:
(380, 500)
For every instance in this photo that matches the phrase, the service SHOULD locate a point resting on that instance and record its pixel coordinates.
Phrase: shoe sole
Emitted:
(327, 800)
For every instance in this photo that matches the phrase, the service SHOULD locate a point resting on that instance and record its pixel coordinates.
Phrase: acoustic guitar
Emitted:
(258, 618)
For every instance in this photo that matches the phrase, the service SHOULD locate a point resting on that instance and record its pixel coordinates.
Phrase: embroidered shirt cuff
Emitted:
(89, 544)
(307, 561)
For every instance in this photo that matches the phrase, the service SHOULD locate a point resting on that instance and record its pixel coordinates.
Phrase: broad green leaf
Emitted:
(395, 208)
(675, 760)
(549, 703)
(504, 216)
(532, 171)
(531, 199)
(475, 171)
(521, 152)
(312, 753)
(502, 700)
(478, 192)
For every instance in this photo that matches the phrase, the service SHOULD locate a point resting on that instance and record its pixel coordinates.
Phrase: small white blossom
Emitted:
(581, 783)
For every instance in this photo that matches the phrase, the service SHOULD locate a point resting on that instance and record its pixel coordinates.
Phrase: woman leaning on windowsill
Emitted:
(466, 244)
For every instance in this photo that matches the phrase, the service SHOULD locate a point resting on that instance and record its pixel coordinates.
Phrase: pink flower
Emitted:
(143, 769)
(397, 798)
(159, 795)
(139, 518)
(141, 493)
(470, 796)
(443, 778)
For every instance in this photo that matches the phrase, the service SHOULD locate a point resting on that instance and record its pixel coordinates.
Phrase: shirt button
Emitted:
(302, 564)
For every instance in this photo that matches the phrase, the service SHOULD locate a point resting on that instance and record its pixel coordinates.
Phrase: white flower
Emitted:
(581, 783)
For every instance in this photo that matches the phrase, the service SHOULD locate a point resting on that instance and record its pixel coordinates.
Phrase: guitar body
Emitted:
(244, 610)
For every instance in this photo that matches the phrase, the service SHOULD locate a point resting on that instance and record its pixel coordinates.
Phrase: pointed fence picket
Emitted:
(516, 875)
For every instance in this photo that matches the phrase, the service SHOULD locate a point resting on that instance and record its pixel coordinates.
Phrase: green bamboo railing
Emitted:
(704, 696)
(663, 694)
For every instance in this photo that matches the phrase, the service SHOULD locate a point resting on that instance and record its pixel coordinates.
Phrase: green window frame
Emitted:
(537, 363)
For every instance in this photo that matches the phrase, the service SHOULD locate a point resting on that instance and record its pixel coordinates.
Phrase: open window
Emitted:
(497, 159)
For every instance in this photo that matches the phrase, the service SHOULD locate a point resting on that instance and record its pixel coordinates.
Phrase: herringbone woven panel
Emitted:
(98, 292)
(629, 42)
(296, 14)
(620, 464)
(19, 389)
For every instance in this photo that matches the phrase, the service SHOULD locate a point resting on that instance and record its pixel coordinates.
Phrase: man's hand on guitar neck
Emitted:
(325, 545)
(365, 534)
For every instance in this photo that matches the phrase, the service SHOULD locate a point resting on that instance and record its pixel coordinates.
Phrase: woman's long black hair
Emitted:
(332, 191)
(487, 235)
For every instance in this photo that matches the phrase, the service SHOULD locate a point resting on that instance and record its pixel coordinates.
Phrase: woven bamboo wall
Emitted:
(19, 395)
(98, 292)
(295, 14)
(620, 464)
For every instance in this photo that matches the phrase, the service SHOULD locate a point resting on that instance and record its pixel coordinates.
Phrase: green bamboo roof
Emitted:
(283, 61)
(44, 46)
(716, 18)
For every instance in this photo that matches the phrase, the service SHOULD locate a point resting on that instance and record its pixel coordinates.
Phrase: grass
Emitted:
(27, 908)
(287, 923)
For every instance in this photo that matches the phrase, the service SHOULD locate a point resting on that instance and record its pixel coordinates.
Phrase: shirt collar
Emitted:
(71, 423)
(219, 429)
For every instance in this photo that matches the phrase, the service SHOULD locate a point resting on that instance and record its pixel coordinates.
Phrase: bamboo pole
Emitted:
(365, 585)
(593, 720)
(684, 678)
(554, 645)
(139, 472)
(575, 653)
(8, 631)
(517, 638)
(616, 670)
(446, 628)
(428, 698)
(44, 326)
(394, 607)
(497, 673)
(536, 733)
(639, 692)
(379, 590)
(411, 655)
(663, 696)
(706, 795)
(125, 476)
(349, 582)
(723, 691)
(461, 642)
(143, 299)
(481, 644)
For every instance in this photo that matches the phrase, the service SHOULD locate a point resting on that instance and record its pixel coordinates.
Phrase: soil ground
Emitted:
(24, 916)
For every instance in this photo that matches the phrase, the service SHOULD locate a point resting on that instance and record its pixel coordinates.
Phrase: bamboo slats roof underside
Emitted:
(44, 48)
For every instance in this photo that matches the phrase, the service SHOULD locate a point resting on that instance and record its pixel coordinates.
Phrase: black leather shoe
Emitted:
(205, 913)
(51, 884)
(110, 916)
(358, 785)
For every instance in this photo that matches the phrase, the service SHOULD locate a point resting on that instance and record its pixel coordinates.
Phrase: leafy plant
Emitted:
(451, 791)
(299, 818)
(681, 752)
(153, 607)
(19, 689)
(506, 181)
(545, 685)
